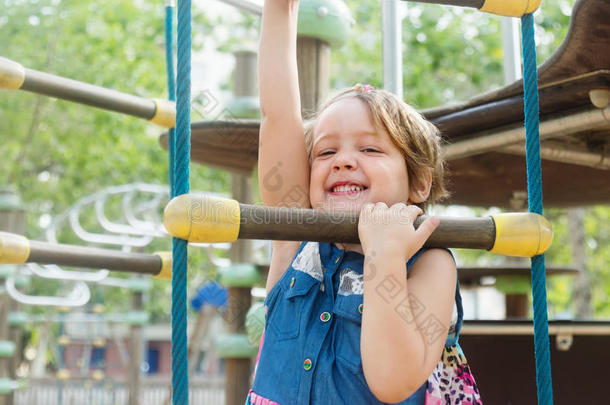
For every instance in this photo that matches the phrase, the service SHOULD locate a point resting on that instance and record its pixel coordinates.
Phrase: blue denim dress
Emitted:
(311, 348)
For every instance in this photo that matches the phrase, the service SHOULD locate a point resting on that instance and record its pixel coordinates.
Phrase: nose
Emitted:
(344, 160)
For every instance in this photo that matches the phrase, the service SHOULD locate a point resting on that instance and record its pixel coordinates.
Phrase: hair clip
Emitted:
(363, 88)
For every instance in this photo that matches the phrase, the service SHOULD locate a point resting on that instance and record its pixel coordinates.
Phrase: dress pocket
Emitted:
(348, 311)
(284, 311)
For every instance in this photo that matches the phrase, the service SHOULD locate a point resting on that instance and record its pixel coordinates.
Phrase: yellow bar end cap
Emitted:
(510, 8)
(14, 249)
(522, 234)
(165, 113)
(12, 74)
(202, 218)
(166, 265)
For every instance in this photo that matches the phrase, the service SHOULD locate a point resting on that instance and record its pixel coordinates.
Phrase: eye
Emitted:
(370, 150)
(326, 153)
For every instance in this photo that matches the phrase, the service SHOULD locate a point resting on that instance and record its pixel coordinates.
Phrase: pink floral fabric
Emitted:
(452, 382)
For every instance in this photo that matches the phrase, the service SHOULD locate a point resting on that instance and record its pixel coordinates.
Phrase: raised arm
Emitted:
(283, 165)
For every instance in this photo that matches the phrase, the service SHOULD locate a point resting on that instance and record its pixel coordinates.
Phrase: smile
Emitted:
(347, 189)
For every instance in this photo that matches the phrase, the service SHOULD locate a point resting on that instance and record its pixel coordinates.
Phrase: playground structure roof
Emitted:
(485, 155)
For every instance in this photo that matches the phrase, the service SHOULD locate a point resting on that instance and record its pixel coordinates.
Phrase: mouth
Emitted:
(346, 188)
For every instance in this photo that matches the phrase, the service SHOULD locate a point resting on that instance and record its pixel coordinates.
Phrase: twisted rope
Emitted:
(534, 193)
(181, 186)
(171, 86)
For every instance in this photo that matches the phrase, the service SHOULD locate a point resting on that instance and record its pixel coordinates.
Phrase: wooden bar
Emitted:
(259, 222)
(88, 94)
(13, 76)
(460, 3)
(79, 256)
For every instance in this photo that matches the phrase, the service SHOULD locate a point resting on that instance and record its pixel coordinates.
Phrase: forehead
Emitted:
(343, 114)
(346, 116)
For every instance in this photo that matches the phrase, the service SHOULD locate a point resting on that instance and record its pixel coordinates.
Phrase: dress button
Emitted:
(360, 308)
(307, 364)
(292, 282)
(337, 259)
(325, 316)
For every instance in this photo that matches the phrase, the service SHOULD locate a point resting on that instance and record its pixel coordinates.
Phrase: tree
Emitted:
(55, 152)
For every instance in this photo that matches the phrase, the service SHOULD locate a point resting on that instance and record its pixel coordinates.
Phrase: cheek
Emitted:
(317, 170)
(316, 179)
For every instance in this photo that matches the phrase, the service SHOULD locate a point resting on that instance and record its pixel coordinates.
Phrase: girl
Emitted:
(353, 324)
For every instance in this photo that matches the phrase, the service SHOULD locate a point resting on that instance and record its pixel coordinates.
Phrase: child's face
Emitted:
(353, 162)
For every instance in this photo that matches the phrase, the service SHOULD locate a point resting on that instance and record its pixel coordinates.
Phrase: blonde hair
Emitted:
(418, 139)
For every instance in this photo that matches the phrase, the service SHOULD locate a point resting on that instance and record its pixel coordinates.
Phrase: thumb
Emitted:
(425, 229)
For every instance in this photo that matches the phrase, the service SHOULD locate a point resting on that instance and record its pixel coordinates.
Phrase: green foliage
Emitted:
(450, 54)
(598, 257)
(56, 152)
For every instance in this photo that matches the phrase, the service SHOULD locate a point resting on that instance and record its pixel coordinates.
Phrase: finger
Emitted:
(425, 229)
(399, 206)
(380, 206)
(412, 212)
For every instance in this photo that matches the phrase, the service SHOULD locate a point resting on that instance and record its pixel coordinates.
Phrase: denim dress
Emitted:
(310, 352)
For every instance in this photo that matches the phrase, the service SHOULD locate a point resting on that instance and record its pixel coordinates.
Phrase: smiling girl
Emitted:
(371, 323)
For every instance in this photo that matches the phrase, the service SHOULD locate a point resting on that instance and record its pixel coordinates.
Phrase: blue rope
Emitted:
(181, 186)
(171, 87)
(534, 192)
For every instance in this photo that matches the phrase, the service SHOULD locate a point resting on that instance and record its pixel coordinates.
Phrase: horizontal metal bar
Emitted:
(459, 3)
(259, 222)
(250, 6)
(203, 218)
(527, 328)
(88, 94)
(79, 256)
(559, 152)
(567, 123)
(13, 76)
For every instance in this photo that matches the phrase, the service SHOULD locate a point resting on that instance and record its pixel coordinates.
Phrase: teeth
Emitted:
(347, 188)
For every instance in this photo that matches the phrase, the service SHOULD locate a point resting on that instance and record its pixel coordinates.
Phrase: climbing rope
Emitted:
(179, 179)
(171, 85)
(179, 145)
(534, 195)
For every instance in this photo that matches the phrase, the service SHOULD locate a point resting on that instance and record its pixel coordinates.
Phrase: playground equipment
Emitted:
(81, 346)
(42, 259)
(183, 153)
(201, 218)
(137, 226)
(180, 154)
(140, 222)
(16, 249)
(508, 8)
(14, 76)
(574, 89)
(486, 131)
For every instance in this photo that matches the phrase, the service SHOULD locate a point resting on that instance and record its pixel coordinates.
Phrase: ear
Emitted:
(419, 188)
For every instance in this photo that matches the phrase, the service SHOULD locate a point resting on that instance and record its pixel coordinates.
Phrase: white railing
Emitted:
(153, 391)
